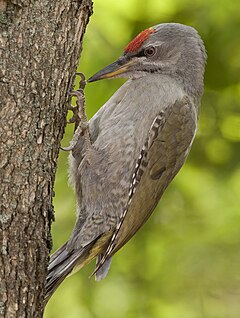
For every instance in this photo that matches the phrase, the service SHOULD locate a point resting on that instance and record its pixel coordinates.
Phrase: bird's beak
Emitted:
(117, 68)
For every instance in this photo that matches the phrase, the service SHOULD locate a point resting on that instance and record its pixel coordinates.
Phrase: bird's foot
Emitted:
(75, 109)
(75, 118)
(79, 117)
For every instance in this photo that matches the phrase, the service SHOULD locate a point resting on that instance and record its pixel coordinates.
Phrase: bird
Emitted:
(139, 140)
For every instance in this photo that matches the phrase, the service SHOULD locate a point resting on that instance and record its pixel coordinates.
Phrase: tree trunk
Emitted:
(40, 46)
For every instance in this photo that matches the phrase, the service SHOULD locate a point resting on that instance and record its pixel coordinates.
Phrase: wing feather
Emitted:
(165, 150)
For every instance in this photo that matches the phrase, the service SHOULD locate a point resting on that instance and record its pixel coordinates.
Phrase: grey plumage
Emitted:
(140, 139)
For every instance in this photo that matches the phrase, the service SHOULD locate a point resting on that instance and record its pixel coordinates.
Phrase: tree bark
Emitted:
(40, 47)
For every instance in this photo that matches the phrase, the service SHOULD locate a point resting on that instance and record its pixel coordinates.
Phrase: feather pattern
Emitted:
(136, 177)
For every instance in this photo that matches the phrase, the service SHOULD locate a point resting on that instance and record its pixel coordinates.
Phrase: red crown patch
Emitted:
(135, 44)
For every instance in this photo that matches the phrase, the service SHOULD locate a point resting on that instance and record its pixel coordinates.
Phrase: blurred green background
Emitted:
(185, 262)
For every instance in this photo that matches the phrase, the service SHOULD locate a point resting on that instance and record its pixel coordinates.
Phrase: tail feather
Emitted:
(102, 272)
(57, 257)
(66, 261)
(62, 263)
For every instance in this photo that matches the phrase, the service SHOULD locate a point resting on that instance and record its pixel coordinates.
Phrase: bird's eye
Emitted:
(150, 51)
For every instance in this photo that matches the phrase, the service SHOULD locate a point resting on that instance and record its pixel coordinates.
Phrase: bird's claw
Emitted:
(82, 82)
(69, 148)
(79, 116)
(75, 118)
(79, 93)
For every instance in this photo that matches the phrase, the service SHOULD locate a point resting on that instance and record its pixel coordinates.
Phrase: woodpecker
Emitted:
(139, 140)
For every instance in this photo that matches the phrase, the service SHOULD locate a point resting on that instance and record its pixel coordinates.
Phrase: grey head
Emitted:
(170, 48)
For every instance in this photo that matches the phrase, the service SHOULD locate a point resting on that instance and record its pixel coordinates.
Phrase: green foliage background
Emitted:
(185, 262)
